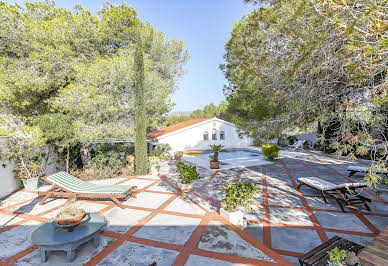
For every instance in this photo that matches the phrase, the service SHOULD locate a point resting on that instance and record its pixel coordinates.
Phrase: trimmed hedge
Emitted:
(270, 150)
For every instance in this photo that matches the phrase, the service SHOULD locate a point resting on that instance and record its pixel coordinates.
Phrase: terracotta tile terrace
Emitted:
(172, 227)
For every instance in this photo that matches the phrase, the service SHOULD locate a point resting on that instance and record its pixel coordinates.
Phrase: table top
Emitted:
(320, 255)
(48, 234)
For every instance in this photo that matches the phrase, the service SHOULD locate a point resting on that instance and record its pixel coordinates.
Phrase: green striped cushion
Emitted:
(73, 184)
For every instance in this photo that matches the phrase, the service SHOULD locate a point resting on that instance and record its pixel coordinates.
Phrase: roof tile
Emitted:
(176, 127)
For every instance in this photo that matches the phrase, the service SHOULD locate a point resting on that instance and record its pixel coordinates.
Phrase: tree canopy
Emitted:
(209, 110)
(292, 63)
(55, 60)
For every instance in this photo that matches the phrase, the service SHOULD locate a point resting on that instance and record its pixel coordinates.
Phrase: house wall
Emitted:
(8, 182)
(192, 138)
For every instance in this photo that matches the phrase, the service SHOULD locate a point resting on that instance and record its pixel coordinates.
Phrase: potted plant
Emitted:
(270, 150)
(214, 162)
(236, 195)
(178, 155)
(24, 145)
(188, 175)
(29, 173)
(154, 162)
(70, 214)
(337, 257)
(257, 142)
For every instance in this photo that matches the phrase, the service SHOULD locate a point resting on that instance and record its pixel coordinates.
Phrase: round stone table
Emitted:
(48, 237)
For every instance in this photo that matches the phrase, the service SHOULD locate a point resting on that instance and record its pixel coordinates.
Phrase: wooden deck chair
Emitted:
(345, 194)
(68, 186)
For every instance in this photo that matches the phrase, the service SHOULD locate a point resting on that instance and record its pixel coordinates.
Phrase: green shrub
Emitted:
(270, 150)
(162, 155)
(179, 166)
(164, 147)
(238, 194)
(106, 165)
(188, 173)
(153, 160)
(156, 153)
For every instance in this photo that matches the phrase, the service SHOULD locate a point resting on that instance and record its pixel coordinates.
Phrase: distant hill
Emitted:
(186, 113)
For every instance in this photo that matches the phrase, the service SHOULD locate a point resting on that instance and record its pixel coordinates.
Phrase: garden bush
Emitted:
(238, 194)
(270, 150)
(163, 155)
(106, 165)
(188, 173)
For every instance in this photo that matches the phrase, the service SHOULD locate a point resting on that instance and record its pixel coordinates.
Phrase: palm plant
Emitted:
(216, 149)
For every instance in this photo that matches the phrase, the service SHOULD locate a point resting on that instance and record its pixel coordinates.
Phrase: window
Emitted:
(214, 134)
(222, 135)
(205, 135)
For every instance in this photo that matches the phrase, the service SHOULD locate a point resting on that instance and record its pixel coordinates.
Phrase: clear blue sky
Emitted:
(203, 25)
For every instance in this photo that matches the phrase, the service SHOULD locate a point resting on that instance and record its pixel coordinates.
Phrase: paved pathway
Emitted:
(290, 221)
(171, 227)
(160, 225)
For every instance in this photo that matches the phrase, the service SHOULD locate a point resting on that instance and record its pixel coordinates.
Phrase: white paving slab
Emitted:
(148, 200)
(217, 237)
(195, 260)
(34, 208)
(139, 183)
(342, 221)
(289, 216)
(6, 220)
(169, 228)
(139, 255)
(162, 187)
(121, 220)
(17, 197)
(184, 205)
(15, 240)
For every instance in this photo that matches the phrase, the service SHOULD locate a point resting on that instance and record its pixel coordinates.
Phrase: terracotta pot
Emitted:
(214, 165)
(73, 220)
(178, 155)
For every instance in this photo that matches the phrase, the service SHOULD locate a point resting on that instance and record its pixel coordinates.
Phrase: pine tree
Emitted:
(141, 160)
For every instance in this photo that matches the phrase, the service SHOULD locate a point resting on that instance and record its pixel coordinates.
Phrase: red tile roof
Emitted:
(176, 127)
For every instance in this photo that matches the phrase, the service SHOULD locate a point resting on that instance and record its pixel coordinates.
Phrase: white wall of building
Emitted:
(8, 182)
(191, 138)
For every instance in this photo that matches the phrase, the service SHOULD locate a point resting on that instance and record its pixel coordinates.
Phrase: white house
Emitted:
(199, 134)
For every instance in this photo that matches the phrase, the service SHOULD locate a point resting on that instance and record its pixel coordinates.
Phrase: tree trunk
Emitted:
(85, 155)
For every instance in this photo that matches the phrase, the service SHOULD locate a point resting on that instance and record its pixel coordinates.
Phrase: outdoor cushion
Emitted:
(325, 185)
(317, 183)
(73, 184)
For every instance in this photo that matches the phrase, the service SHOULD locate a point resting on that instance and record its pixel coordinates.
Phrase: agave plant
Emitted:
(216, 149)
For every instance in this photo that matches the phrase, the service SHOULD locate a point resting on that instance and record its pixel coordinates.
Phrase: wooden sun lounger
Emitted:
(353, 169)
(68, 186)
(345, 194)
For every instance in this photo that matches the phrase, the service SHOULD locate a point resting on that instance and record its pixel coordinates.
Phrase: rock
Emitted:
(351, 259)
